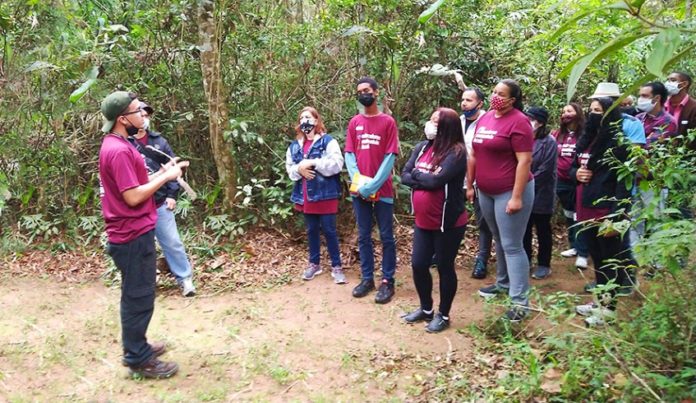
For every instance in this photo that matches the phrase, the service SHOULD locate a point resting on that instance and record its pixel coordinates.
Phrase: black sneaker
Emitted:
(438, 324)
(363, 288)
(480, 270)
(492, 291)
(418, 316)
(385, 292)
(515, 314)
(154, 369)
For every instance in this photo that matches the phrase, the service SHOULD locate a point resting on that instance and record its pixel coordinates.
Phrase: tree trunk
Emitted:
(209, 33)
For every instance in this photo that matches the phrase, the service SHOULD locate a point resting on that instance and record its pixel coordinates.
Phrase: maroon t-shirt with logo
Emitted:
(121, 167)
(428, 204)
(586, 213)
(566, 154)
(495, 143)
(371, 138)
(329, 206)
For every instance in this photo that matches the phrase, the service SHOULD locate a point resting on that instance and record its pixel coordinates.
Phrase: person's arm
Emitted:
(291, 167)
(332, 163)
(450, 167)
(351, 165)
(470, 175)
(406, 178)
(380, 177)
(172, 187)
(136, 195)
(524, 162)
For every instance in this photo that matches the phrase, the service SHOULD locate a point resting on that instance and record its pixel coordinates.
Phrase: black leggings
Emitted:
(445, 246)
(542, 222)
(610, 257)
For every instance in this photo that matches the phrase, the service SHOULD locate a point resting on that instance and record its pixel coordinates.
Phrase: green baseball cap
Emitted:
(113, 106)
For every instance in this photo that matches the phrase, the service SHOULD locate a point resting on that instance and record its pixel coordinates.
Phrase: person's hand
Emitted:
(583, 175)
(306, 169)
(363, 192)
(172, 169)
(171, 203)
(513, 205)
(470, 193)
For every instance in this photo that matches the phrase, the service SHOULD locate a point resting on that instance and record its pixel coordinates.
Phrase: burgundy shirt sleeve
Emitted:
(122, 170)
(392, 138)
(522, 137)
(350, 137)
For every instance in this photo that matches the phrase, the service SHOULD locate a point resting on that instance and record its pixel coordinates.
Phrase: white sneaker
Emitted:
(569, 253)
(338, 275)
(581, 263)
(585, 310)
(187, 287)
(600, 317)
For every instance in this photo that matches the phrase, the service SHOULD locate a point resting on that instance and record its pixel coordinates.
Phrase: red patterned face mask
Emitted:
(498, 102)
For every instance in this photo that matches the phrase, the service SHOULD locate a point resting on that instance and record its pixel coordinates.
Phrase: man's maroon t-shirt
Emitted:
(121, 167)
(428, 204)
(371, 138)
(495, 143)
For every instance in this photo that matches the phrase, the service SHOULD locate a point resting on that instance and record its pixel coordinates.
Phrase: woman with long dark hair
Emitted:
(571, 129)
(435, 172)
(500, 163)
(600, 195)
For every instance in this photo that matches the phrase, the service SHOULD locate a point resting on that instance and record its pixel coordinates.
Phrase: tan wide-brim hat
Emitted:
(606, 90)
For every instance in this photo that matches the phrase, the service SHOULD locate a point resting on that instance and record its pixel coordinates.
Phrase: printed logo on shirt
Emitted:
(484, 133)
(567, 150)
(359, 128)
(367, 140)
(584, 158)
(427, 167)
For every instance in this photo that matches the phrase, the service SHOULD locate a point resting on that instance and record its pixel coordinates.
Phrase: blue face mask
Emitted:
(470, 113)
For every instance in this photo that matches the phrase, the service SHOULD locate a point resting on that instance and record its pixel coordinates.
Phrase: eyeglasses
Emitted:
(139, 110)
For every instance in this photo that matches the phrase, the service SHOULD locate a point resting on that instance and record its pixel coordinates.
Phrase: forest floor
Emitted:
(273, 337)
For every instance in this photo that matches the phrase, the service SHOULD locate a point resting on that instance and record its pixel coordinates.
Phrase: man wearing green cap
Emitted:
(130, 216)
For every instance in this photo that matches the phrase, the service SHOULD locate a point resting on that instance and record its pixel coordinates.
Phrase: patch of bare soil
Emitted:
(240, 339)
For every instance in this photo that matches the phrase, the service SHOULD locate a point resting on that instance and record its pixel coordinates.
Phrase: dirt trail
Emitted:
(301, 341)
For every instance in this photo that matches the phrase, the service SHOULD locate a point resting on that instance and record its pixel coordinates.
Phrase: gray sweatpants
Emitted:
(508, 231)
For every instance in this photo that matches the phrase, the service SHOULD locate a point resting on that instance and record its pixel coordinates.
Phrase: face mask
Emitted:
(645, 104)
(470, 113)
(131, 130)
(565, 119)
(146, 123)
(535, 124)
(366, 99)
(594, 120)
(430, 130)
(307, 125)
(672, 87)
(498, 102)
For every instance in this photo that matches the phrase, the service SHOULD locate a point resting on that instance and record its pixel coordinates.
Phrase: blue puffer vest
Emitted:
(321, 187)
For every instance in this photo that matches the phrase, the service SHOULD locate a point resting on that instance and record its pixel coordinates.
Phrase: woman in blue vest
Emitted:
(314, 162)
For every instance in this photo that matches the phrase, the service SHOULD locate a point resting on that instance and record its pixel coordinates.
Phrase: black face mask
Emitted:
(306, 127)
(366, 99)
(131, 130)
(594, 121)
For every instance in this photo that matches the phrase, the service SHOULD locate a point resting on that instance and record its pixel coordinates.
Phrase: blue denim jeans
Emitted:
(384, 214)
(167, 235)
(325, 223)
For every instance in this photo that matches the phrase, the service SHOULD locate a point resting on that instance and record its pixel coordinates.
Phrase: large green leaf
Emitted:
(665, 44)
(429, 12)
(582, 63)
(91, 79)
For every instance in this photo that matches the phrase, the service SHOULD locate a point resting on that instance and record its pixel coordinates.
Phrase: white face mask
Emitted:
(535, 125)
(146, 123)
(645, 104)
(430, 130)
(672, 87)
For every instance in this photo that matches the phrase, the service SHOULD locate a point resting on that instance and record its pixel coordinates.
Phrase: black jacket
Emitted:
(451, 177)
(604, 183)
(154, 160)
